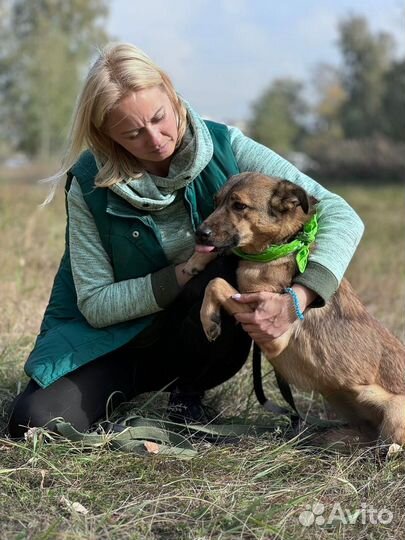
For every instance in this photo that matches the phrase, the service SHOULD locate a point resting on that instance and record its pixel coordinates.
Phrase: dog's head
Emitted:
(253, 211)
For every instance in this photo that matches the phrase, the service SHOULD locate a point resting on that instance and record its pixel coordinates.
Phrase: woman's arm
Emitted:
(340, 228)
(101, 300)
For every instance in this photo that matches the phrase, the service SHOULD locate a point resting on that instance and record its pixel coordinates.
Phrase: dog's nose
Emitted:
(203, 234)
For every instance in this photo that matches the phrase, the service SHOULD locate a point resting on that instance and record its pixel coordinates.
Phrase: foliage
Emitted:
(393, 104)
(45, 46)
(367, 59)
(355, 127)
(367, 158)
(277, 115)
(331, 95)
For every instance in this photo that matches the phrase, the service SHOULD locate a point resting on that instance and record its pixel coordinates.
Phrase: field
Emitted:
(259, 488)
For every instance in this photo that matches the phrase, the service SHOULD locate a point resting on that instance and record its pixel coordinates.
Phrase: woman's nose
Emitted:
(154, 136)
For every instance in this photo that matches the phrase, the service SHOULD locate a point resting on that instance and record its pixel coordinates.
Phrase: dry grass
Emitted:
(255, 489)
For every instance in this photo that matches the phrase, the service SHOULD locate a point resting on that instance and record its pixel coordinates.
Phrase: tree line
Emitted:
(355, 125)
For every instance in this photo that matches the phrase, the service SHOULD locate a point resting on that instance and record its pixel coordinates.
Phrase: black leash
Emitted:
(285, 390)
(283, 386)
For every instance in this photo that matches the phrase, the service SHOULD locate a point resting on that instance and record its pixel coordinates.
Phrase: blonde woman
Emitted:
(123, 318)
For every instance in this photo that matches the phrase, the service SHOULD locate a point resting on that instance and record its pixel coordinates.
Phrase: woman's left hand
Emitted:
(273, 313)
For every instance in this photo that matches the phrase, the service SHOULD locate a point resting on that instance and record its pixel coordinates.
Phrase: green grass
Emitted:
(255, 489)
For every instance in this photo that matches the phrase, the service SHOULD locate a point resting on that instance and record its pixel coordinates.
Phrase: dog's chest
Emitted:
(297, 366)
(271, 277)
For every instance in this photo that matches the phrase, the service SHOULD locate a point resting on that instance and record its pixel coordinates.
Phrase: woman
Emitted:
(123, 317)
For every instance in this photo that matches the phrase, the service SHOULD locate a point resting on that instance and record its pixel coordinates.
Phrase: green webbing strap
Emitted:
(133, 433)
(133, 439)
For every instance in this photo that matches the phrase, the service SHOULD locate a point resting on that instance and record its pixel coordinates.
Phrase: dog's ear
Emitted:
(287, 196)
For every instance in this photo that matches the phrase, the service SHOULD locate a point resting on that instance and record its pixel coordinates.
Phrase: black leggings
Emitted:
(174, 350)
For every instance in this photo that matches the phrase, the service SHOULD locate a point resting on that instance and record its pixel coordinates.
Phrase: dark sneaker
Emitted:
(187, 408)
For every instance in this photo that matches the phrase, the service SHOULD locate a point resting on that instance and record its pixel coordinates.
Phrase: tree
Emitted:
(393, 103)
(45, 45)
(331, 96)
(367, 59)
(277, 116)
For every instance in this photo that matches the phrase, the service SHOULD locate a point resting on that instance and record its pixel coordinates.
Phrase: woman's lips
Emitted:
(161, 149)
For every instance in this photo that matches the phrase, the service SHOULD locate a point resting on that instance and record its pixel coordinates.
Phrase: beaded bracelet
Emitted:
(297, 308)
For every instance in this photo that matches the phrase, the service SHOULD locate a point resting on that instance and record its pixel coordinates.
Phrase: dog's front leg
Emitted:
(218, 293)
(197, 262)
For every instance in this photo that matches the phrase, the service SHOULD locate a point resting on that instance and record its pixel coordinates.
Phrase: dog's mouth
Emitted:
(208, 241)
(210, 248)
(200, 248)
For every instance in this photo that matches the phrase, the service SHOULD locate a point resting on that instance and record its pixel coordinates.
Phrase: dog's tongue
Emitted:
(204, 249)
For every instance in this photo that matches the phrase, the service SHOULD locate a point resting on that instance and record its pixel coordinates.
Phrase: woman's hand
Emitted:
(273, 313)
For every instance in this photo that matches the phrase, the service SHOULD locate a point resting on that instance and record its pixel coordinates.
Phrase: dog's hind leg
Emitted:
(393, 426)
(392, 407)
(218, 293)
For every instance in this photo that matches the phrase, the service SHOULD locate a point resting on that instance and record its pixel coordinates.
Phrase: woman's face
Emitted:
(145, 124)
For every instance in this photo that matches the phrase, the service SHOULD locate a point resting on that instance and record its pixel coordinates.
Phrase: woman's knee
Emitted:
(27, 411)
(75, 398)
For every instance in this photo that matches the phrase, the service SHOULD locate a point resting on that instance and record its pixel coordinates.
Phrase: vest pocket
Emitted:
(136, 253)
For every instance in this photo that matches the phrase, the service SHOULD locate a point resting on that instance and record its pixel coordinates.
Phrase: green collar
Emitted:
(300, 245)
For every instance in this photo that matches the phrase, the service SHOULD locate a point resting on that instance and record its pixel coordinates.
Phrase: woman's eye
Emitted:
(239, 206)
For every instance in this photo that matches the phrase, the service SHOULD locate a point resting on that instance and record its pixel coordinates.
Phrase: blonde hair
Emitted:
(120, 68)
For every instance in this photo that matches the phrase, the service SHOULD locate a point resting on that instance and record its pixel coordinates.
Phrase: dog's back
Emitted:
(342, 345)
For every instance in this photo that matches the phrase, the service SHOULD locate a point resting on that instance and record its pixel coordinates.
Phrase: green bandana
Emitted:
(300, 245)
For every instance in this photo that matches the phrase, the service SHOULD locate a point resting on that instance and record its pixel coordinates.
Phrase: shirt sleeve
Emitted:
(340, 228)
(101, 300)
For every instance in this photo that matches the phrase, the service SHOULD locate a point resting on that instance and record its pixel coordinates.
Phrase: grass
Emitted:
(255, 489)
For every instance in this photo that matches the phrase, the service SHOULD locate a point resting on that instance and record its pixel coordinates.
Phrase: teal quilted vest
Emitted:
(129, 236)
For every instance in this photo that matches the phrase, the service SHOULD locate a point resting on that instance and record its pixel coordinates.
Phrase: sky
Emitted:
(222, 54)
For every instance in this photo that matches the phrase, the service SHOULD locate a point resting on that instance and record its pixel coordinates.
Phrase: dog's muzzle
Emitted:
(203, 235)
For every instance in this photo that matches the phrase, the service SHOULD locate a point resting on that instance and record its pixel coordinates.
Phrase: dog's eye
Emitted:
(239, 206)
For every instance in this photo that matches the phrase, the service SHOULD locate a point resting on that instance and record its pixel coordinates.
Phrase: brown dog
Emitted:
(338, 350)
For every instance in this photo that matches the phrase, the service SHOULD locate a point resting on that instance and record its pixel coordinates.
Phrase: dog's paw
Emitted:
(191, 270)
(212, 328)
(197, 262)
(394, 450)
